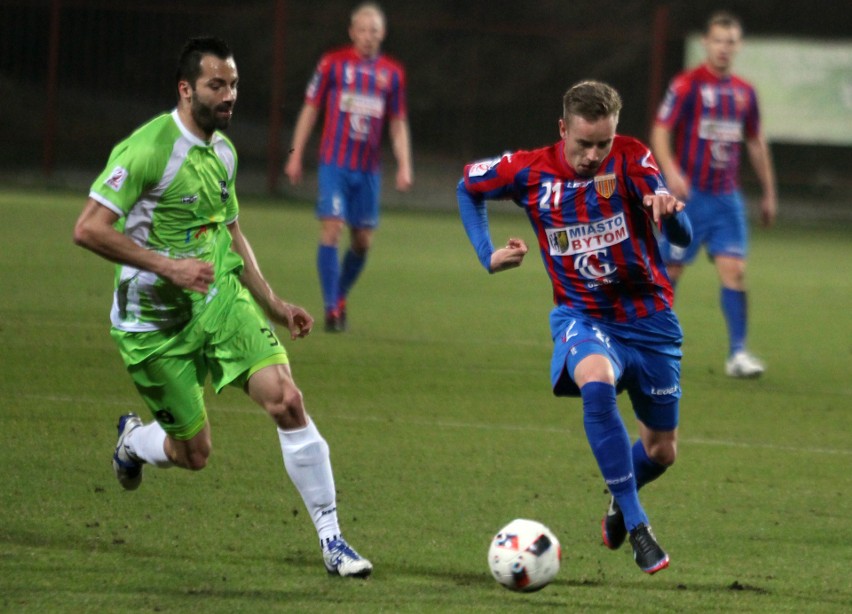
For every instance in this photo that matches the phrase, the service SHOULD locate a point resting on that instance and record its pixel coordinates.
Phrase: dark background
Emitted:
(483, 77)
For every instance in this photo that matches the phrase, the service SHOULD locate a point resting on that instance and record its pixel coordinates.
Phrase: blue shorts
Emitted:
(350, 195)
(645, 356)
(718, 223)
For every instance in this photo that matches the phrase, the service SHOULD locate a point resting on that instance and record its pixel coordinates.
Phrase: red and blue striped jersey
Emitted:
(357, 94)
(709, 117)
(596, 239)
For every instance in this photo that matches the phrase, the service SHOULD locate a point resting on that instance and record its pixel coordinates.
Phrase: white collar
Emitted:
(189, 135)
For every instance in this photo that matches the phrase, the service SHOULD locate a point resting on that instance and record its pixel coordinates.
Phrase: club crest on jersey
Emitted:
(740, 99)
(382, 79)
(116, 178)
(223, 191)
(605, 185)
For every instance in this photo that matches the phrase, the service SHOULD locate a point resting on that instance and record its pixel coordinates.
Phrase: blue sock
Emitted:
(353, 264)
(611, 447)
(646, 470)
(735, 311)
(328, 267)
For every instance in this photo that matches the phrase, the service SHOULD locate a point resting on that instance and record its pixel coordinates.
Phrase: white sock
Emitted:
(308, 464)
(147, 443)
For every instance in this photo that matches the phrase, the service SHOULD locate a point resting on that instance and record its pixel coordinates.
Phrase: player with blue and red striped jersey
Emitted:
(597, 203)
(356, 88)
(357, 93)
(708, 112)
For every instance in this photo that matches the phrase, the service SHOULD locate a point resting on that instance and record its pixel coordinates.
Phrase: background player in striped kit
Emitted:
(358, 87)
(708, 111)
(597, 201)
(190, 299)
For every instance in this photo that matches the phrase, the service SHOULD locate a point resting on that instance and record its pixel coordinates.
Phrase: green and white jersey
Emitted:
(175, 194)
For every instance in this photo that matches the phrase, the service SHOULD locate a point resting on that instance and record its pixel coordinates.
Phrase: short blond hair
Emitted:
(371, 7)
(591, 100)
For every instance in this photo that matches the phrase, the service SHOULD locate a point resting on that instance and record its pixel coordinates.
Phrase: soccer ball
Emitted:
(524, 556)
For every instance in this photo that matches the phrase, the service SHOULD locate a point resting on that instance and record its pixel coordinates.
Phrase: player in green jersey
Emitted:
(190, 300)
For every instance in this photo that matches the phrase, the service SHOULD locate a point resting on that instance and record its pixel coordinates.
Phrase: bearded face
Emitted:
(211, 115)
(212, 97)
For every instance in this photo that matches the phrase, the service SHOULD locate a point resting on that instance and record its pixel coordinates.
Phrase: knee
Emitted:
(361, 241)
(191, 454)
(330, 231)
(288, 408)
(196, 461)
(732, 273)
(663, 453)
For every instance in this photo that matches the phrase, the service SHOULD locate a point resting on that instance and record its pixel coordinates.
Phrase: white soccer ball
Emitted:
(524, 556)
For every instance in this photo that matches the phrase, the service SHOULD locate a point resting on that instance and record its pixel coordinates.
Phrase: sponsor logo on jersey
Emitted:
(595, 266)
(605, 185)
(223, 191)
(359, 127)
(116, 178)
(362, 104)
(725, 131)
(189, 199)
(581, 238)
(195, 234)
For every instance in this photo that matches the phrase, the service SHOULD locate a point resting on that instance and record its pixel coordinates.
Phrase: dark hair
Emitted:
(725, 19)
(591, 100)
(189, 64)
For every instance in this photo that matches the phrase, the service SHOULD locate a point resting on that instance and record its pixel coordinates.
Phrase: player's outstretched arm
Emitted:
(474, 216)
(297, 320)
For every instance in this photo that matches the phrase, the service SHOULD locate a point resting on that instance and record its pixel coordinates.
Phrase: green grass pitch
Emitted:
(442, 428)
